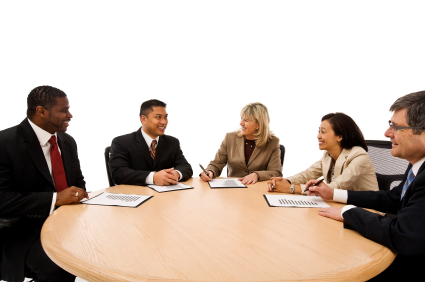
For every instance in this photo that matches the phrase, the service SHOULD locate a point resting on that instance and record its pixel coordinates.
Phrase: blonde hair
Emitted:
(258, 112)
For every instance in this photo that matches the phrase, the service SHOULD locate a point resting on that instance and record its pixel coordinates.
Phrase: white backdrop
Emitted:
(206, 60)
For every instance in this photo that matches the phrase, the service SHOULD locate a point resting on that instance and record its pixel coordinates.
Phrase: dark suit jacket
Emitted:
(26, 190)
(130, 161)
(405, 234)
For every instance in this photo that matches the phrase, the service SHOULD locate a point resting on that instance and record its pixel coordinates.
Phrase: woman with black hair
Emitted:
(344, 165)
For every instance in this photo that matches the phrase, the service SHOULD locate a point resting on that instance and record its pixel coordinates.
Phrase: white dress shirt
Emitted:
(342, 195)
(148, 139)
(43, 137)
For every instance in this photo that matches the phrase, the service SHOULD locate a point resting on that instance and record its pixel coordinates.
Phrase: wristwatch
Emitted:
(292, 189)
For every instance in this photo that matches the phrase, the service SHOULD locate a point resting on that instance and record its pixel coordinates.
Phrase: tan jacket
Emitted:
(353, 171)
(265, 160)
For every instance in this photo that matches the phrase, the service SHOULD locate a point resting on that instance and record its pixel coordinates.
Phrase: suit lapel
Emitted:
(66, 158)
(143, 147)
(409, 190)
(34, 150)
(326, 165)
(340, 162)
(255, 153)
(241, 148)
(162, 144)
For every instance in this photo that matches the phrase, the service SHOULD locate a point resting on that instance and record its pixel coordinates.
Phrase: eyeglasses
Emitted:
(395, 128)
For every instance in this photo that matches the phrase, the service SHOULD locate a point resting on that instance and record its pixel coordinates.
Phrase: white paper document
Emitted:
(226, 183)
(295, 201)
(178, 186)
(113, 199)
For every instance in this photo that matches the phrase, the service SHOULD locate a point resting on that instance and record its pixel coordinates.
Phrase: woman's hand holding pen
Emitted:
(278, 184)
(322, 190)
(207, 178)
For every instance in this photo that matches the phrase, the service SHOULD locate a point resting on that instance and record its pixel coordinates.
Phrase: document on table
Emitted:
(178, 186)
(295, 201)
(226, 183)
(121, 200)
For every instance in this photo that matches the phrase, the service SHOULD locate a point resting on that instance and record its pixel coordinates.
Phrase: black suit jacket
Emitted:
(26, 190)
(405, 234)
(130, 161)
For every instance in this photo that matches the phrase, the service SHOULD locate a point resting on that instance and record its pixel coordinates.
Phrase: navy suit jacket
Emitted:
(26, 190)
(130, 161)
(405, 234)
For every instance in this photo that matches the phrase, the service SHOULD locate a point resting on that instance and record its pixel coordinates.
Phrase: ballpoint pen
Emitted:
(205, 171)
(315, 184)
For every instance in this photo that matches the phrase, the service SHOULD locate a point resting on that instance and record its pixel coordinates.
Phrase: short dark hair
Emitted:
(345, 126)
(415, 114)
(44, 96)
(148, 105)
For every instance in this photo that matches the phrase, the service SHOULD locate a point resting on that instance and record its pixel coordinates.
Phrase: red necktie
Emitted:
(153, 149)
(57, 166)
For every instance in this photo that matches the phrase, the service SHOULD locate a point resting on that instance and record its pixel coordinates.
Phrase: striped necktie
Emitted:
(153, 149)
(409, 180)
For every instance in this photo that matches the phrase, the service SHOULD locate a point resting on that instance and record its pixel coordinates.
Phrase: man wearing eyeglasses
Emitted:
(405, 234)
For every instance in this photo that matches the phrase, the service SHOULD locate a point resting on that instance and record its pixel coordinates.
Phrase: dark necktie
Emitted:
(153, 149)
(57, 166)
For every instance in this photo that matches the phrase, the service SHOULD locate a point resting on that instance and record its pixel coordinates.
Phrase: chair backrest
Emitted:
(282, 156)
(107, 153)
(389, 170)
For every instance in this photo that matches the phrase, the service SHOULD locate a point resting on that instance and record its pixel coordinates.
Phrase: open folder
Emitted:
(178, 186)
(295, 201)
(226, 183)
(114, 199)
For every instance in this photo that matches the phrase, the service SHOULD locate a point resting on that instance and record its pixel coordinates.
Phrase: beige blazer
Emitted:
(265, 160)
(353, 171)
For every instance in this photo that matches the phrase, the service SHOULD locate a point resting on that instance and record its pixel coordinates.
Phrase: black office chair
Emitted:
(282, 156)
(8, 222)
(389, 170)
(107, 153)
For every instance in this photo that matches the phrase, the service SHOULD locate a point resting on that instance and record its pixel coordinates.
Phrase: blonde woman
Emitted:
(252, 153)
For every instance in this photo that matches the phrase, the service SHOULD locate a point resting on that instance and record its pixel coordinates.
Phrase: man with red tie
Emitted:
(39, 171)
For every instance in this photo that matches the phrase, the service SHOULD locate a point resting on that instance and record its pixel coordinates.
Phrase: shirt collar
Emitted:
(42, 135)
(149, 139)
(417, 166)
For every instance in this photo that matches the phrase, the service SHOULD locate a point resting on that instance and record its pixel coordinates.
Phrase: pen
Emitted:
(315, 184)
(203, 169)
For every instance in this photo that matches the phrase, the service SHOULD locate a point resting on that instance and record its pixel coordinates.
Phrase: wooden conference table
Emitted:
(205, 234)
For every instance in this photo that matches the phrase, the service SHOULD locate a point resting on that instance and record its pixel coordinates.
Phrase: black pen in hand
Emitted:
(205, 171)
(315, 184)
